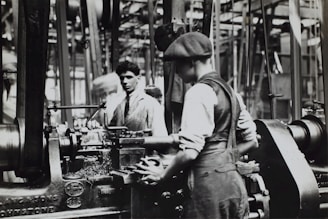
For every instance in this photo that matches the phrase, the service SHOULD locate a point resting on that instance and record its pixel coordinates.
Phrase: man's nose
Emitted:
(124, 80)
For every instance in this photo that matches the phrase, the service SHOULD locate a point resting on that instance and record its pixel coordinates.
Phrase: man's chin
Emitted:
(128, 91)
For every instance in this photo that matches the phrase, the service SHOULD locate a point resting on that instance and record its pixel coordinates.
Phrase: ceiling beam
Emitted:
(305, 13)
(256, 4)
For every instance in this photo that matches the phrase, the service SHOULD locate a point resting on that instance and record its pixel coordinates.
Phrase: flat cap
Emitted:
(189, 45)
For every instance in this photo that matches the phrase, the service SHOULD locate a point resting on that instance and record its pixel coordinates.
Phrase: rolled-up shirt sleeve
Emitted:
(246, 128)
(197, 120)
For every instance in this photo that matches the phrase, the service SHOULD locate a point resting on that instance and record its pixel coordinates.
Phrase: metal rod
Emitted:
(295, 44)
(150, 142)
(147, 65)
(75, 107)
(74, 62)
(151, 39)
(242, 46)
(63, 59)
(84, 213)
(207, 16)
(21, 62)
(115, 49)
(218, 34)
(94, 39)
(272, 110)
(249, 60)
(87, 70)
(96, 112)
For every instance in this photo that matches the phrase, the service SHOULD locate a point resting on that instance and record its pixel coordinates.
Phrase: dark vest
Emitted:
(220, 149)
(223, 110)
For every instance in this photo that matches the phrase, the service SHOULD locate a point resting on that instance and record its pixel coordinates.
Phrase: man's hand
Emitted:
(151, 169)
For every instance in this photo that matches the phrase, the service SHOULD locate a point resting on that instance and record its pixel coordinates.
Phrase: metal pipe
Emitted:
(151, 39)
(217, 38)
(295, 44)
(83, 213)
(268, 69)
(63, 60)
(116, 21)
(94, 39)
(207, 16)
(147, 65)
(21, 62)
(167, 140)
(150, 142)
(54, 107)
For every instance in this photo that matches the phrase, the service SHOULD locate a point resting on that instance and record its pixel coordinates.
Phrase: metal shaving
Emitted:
(92, 167)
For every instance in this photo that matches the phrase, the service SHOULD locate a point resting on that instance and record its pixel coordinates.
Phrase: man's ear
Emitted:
(139, 76)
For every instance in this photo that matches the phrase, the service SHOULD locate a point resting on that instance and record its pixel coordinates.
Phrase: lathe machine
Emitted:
(90, 174)
(81, 174)
(293, 164)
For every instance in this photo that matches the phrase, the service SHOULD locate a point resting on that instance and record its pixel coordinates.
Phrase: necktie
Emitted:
(127, 106)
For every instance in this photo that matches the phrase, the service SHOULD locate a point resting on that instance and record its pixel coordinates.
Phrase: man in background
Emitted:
(137, 111)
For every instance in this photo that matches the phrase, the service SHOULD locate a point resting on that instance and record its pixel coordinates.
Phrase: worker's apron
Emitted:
(216, 188)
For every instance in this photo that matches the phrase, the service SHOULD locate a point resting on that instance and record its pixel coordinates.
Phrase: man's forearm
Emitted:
(182, 159)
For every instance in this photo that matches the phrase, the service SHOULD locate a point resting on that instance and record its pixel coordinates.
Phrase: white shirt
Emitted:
(145, 112)
(197, 120)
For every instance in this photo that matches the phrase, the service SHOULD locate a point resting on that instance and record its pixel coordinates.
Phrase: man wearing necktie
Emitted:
(137, 111)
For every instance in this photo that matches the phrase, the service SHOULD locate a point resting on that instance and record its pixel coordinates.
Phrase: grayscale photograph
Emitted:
(164, 109)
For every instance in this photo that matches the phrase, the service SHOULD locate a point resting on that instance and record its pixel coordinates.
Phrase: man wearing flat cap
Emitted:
(208, 149)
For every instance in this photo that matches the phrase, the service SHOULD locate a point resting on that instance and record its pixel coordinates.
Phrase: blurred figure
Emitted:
(155, 92)
(108, 88)
(106, 85)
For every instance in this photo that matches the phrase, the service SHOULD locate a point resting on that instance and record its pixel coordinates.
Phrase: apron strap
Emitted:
(234, 113)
